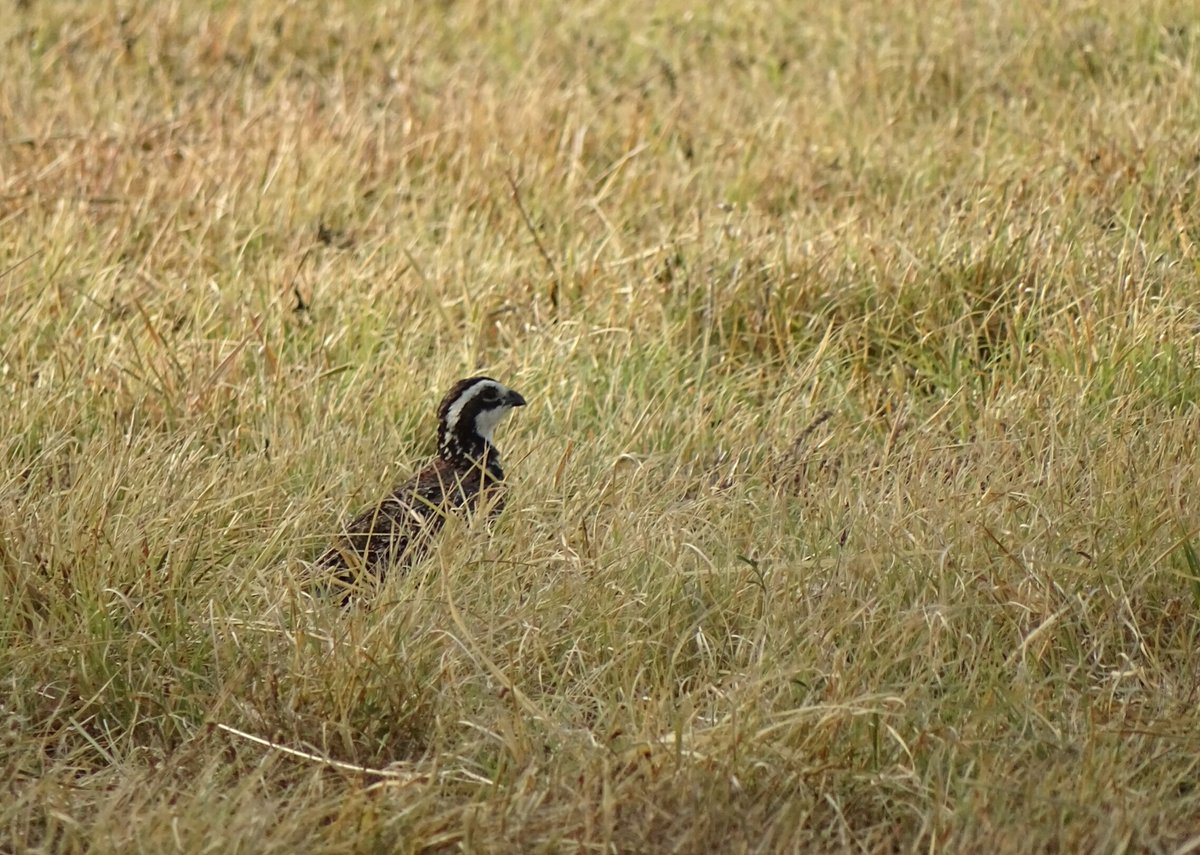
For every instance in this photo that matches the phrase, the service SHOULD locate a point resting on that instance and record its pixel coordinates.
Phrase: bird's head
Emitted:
(468, 416)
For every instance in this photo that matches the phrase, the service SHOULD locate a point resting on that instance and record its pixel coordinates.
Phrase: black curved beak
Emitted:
(514, 399)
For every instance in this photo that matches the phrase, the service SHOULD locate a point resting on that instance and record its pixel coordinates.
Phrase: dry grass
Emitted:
(852, 510)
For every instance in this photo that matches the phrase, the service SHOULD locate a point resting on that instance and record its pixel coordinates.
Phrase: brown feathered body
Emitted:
(465, 475)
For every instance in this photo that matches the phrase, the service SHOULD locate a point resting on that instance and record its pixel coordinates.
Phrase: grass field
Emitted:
(852, 510)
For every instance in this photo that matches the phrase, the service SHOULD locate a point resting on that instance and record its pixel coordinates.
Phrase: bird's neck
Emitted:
(470, 451)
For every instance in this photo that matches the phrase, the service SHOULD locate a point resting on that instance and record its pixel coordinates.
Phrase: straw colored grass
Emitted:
(852, 509)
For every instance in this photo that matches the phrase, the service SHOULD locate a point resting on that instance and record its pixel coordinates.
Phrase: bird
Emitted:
(397, 531)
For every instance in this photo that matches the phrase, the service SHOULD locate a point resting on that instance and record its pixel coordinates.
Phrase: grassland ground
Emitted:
(852, 509)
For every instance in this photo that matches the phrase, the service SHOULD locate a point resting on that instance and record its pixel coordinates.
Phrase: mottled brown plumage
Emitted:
(398, 530)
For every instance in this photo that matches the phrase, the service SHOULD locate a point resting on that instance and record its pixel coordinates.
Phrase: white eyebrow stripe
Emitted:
(452, 414)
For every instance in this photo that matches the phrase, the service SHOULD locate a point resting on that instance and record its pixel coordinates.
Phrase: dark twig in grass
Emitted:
(1008, 553)
(301, 306)
(19, 262)
(818, 420)
(790, 462)
(516, 195)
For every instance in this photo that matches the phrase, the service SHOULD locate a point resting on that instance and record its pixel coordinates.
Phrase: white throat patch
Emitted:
(486, 421)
